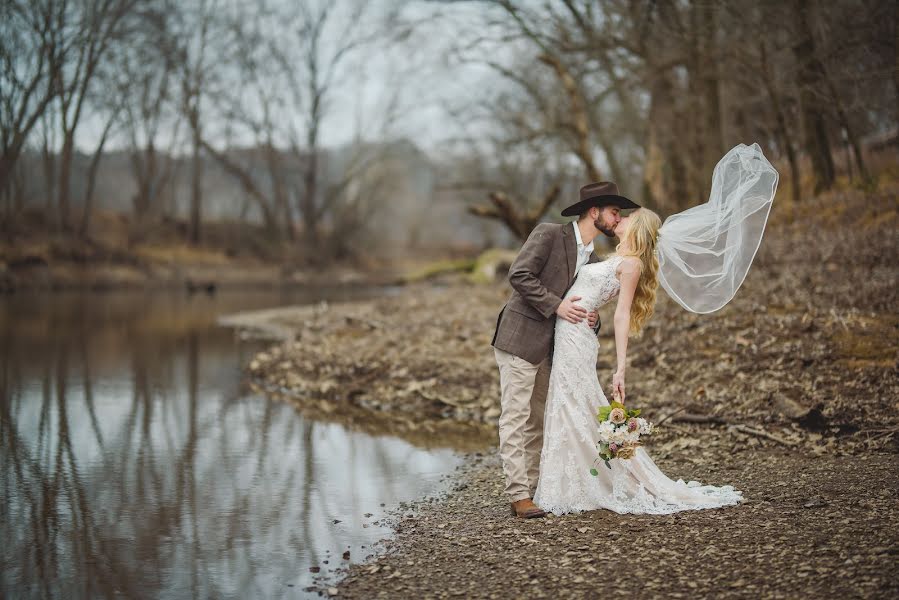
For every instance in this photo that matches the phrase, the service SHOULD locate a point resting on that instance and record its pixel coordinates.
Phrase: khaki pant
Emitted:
(523, 388)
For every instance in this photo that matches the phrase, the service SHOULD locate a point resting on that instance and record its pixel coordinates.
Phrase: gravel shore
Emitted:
(812, 527)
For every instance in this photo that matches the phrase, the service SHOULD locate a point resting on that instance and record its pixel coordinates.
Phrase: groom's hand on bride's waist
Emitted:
(593, 320)
(570, 311)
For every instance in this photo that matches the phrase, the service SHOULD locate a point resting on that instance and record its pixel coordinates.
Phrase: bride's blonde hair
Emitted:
(640, 240)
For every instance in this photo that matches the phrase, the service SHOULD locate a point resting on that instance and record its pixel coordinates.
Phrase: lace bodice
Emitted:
(570, 428)
(596, 283)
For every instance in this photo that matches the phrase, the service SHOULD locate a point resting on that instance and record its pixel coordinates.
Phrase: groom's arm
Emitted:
(528, 264)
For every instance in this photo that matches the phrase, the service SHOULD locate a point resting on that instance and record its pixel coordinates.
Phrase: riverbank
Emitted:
(790, 393)
(119, 254)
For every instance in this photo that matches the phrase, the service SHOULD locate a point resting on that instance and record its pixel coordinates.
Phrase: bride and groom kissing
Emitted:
(546, 344)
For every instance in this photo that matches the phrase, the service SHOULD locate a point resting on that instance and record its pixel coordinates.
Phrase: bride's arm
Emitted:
(629, 275)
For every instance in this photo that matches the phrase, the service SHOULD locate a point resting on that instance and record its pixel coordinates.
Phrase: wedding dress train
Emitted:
(634, 485)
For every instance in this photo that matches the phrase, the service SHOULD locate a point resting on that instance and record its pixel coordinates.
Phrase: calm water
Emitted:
(134, 463)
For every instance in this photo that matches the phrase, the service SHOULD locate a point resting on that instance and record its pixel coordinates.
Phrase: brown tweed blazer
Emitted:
(541, 274)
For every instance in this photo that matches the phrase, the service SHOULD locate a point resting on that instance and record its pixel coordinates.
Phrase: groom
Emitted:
(544, 269)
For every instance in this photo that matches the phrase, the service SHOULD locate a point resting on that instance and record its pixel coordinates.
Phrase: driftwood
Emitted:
(677, 417)
(693, 418)
(520, 221)
(762, 433)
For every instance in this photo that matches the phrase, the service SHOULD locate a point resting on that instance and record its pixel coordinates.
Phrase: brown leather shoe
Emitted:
(526, 509)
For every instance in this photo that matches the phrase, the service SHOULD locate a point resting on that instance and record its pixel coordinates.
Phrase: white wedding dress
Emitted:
(570, 434)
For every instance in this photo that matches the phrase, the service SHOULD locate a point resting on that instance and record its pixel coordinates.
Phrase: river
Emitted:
(136, 463)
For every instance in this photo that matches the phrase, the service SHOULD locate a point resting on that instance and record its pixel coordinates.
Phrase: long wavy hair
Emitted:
(640, 239)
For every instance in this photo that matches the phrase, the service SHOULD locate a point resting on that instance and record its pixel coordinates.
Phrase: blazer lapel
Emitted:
(570, 250)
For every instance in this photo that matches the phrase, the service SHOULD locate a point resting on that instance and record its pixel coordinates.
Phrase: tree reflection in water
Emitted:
(133, 465)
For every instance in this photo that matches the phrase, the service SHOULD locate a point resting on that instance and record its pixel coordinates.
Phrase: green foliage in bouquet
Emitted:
(604, 411)
(605, 453)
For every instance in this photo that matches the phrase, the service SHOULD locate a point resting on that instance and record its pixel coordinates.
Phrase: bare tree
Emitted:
(193, 54)
(810, 80)
(312, 78)
(90, 28)
(250, 106)
(87, 209)
(31, 56)
(142, 74)
(281, 96)
(669, 85)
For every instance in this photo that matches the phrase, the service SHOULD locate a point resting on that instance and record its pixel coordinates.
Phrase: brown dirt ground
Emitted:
(814, 527)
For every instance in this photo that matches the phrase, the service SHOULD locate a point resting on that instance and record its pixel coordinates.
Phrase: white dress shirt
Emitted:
(583, 250)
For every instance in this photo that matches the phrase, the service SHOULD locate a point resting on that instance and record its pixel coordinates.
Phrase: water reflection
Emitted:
(133, 464)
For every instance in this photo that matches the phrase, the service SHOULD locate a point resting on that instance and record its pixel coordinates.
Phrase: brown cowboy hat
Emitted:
(601, 193)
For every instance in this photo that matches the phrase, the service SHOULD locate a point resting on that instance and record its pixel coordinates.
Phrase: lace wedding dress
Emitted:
(570, 435)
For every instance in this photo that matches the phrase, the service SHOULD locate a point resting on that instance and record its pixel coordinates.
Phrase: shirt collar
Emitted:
(577, 237)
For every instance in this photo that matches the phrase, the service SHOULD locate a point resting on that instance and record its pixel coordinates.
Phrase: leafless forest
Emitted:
(320, 131)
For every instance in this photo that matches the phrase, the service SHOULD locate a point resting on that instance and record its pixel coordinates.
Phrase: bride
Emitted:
(700, 257)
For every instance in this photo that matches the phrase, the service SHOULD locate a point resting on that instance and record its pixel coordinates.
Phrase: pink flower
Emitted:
(613, 447)
(617, 416)
(632, 424)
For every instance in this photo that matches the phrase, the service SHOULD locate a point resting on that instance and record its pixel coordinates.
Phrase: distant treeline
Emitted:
(649, 93)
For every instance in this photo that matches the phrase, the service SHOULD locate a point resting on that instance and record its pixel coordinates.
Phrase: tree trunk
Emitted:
(714, 144)
(579, 119)
(16, 189)
(692, 120)
(145, 174)
(310, 190)
(8, 162)
(810, 75)
(896, 62)
(655, 189)
(64, 183)
(666, 175)
(196, 177)
(7, 194)
(780, 122)
(48, 162)
(852, 138)
(279, 189)
(84, 228)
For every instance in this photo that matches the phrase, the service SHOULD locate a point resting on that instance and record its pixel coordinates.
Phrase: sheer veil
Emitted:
(705, 252)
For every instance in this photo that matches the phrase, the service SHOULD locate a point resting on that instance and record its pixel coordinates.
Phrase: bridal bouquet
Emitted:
(619, 432)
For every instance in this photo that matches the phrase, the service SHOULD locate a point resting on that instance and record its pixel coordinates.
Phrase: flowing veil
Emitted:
(705, 251)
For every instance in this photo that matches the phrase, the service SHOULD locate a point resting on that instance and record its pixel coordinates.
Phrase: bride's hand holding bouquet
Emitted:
(620, 431)
(618, 385)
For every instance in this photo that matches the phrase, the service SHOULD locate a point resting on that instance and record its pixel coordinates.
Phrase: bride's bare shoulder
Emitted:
(628, 265)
